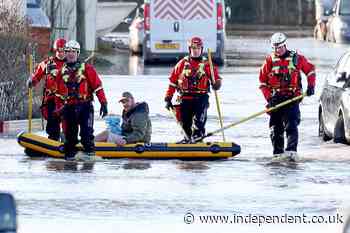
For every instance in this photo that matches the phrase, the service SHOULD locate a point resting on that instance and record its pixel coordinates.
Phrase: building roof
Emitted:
(36, 16)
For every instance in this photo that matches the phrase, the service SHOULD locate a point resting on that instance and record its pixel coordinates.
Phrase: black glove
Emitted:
(273, 101)
(168, 104)
(51, 66)
(103, 110)
(29, 82)
(310, 91)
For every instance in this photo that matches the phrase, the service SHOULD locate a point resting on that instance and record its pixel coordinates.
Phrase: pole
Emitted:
(30, 96)
(251, 117)
(173, 114)
(215, 93)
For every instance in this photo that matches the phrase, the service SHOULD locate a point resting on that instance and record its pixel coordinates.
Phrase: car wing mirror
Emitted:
(347, 82)
(8, 213)
(228, 12)
(341, 77)
(127, 20)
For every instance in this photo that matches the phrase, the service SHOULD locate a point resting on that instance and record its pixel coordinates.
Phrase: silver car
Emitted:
(338, 25)
(334, 106)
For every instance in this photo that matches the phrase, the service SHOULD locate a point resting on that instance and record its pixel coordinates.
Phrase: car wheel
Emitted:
(219, 61)
(146, 59)
(321, 128)
(329, 37)
(339, 130)
(318, 33)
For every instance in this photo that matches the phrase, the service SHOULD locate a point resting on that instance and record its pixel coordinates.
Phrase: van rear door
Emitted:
(199, 19)
(167, 31)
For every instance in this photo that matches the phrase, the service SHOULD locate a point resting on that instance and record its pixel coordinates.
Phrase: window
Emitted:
(339, 68)
(344, 7)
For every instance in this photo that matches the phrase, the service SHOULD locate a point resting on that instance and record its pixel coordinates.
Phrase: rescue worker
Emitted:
(77, 82)
(47, 70)
(280, 80)
(191, 79)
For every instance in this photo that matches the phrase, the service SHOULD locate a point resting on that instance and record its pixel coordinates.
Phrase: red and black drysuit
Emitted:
(77, 83)
(191, 78)
(49, 69)
(280, 80)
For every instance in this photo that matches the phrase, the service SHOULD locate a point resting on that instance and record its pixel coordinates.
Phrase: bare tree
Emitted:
(15, 45)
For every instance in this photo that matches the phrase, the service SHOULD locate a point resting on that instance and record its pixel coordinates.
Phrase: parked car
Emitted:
(338, 25)
(8, 213)
(323, 9)
(334, 105)
(169, 25)
(136, 32)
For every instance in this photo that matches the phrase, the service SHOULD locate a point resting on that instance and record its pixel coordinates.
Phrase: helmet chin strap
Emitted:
(197, 58)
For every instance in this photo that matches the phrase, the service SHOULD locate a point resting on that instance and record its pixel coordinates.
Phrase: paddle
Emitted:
(212, 80)
(8, 213)
(251, 117)
(173, 114)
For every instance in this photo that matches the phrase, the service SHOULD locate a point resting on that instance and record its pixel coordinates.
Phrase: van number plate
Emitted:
(167, 46)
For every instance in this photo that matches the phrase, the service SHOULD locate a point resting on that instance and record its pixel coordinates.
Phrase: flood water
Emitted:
(129, 195)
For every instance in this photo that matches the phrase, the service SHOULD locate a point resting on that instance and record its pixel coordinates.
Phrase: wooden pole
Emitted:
(30, 96)
(216, 93)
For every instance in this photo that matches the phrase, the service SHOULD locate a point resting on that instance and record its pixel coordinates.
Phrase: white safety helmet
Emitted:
(72, 45)
(278, 39)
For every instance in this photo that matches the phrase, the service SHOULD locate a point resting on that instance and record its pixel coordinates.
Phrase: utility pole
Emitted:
(81, 23)
(262, 10)
(300, 12)
(52, 13)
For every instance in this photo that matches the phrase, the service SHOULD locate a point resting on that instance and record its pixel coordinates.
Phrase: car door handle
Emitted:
(176, 26)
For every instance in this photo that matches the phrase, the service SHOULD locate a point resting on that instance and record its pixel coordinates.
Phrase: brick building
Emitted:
(40, 27)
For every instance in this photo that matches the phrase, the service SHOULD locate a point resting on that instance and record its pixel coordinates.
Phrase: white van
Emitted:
(169, 25)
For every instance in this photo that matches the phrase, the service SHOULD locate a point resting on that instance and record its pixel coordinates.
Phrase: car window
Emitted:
(347, 66)
(339, 68)
(344, 8)
(139, 12)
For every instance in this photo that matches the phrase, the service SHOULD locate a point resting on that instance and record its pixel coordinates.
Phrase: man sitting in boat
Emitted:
(136, 125)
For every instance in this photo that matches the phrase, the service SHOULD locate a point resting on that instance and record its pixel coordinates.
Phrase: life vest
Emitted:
(75, 88)
(284, 77)
(193, 80)
(52, 68)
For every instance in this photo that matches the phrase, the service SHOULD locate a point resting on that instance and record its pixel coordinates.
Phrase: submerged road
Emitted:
(166, 195)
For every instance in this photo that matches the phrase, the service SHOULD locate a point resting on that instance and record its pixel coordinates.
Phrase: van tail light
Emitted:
(219, 18)
(147, 17)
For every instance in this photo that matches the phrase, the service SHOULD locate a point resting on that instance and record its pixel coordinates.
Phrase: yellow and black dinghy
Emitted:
(36, 145)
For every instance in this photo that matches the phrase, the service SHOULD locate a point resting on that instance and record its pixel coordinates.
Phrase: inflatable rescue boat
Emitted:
(36, 145)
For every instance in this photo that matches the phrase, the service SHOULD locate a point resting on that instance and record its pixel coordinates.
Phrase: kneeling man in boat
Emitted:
(136, 125)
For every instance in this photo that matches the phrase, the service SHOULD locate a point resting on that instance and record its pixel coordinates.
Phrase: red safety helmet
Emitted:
(58, 44)
(195, 42)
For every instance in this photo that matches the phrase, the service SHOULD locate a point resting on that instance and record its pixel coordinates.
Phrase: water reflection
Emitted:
(136, 66)
(192, 166)
(136, 165)
(69, 166)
